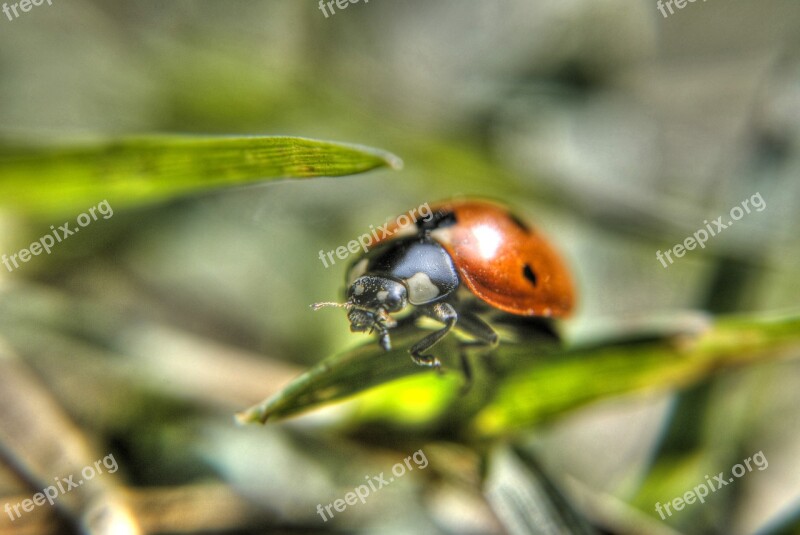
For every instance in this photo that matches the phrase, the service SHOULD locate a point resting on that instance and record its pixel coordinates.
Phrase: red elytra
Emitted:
(501, 260)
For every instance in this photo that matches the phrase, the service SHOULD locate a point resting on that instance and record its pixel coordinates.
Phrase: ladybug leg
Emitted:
(466, 367)
(484, 335)
(444, 313)
(475, 326)
(384, 340)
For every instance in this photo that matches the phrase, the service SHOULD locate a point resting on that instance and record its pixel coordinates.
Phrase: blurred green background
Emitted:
(616, 130)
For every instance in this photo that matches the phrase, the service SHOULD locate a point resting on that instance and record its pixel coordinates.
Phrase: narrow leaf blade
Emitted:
(132, 171)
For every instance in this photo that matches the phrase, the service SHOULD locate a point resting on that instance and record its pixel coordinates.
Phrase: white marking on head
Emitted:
(382, 295)
(358, 290)
(420, 289)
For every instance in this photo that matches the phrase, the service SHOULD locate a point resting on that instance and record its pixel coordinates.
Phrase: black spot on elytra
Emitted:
(529, 274)
(520, 223)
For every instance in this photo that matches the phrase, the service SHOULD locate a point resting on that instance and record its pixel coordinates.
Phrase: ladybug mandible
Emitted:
(472, 245)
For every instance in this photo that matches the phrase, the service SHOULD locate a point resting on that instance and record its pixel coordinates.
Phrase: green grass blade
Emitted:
(422, 399)
(528, 382)
(336, 378)
(47, 180)
(579, 376)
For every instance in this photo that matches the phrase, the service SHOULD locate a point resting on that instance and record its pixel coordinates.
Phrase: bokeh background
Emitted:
(616, 130)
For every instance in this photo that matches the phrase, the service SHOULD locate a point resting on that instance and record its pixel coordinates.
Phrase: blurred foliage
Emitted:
(617, 131)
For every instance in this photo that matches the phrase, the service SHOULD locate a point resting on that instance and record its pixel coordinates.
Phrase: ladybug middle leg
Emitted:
(469, 322)
(441, 312)
(475, 326)
(484, 337)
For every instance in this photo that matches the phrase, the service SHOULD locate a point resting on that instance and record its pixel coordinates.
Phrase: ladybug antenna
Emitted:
(317, 306)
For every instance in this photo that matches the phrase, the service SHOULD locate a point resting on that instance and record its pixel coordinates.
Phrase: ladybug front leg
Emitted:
(441, 312)
(384, 341)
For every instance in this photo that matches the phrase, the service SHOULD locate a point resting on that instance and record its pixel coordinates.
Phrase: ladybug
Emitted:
(466, 248)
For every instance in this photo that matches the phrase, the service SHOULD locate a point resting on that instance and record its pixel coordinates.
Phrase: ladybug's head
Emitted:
(372, 293)
(370, 300)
